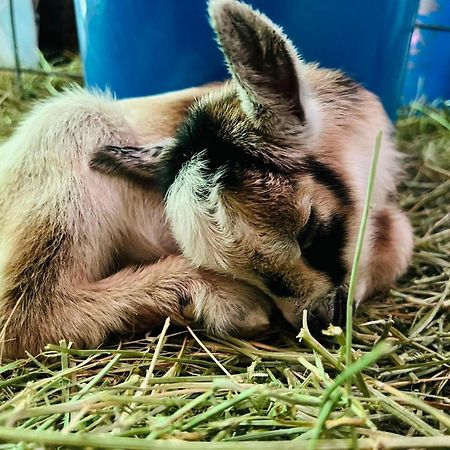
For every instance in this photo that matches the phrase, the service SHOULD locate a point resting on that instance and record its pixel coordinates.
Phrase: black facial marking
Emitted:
(329, 178)
(277, 285)
(201, 132)
(325, 253)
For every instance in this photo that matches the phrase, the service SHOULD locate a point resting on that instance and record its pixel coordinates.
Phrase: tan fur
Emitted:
(263, 216)
(84, 254)
(251, 230)
(157, 116)
(67, 233)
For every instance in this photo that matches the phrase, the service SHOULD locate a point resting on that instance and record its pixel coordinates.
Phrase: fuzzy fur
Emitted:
(266, 177)
(255, 199)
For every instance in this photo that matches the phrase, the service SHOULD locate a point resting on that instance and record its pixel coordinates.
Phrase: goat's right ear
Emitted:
(139, 164)
(261, 59)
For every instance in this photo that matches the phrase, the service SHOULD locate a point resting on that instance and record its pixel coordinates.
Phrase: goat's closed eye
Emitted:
(307, 233)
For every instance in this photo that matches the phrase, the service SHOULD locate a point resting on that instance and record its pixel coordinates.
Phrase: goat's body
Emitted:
(64, 227)
(69, 235)
(84, 254)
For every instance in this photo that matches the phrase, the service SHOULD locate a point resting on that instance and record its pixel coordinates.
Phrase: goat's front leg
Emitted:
(223, 304)
(226, 306)
(133, 300)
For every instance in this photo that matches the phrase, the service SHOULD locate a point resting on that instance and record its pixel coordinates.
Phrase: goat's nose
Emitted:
(340, 306)
(330, 309)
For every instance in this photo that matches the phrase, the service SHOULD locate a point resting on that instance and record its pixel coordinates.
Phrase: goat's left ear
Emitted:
(261, 59)
(138, 164)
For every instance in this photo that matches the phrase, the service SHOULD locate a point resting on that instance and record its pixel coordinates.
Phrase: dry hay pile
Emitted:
(182, 388)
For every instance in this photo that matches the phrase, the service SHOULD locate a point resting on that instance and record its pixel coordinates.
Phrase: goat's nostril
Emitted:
(340, 306)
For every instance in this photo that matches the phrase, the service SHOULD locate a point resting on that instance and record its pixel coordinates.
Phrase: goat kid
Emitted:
(265, 179)
(256, 199)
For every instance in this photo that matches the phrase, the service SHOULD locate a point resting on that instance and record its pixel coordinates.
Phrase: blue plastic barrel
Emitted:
(428, 69)
(140, 47)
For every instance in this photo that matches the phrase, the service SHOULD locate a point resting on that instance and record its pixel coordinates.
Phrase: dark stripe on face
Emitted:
(277, 285)
(328, 177)
(201, 131)
(325, 252)
(306, 235)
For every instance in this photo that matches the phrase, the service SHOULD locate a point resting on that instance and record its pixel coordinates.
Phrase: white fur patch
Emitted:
(198, 220)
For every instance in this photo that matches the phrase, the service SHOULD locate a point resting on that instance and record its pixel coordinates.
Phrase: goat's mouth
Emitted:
(331, 309)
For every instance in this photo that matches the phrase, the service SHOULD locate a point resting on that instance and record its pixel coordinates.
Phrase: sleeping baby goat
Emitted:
(256, 200)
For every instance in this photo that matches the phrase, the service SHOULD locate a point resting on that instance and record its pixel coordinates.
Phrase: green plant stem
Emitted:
(84, 440)
(332, 395)
(358, 250)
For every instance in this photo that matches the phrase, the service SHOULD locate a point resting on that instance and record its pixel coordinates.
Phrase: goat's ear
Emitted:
(138, 164)
(260, 58)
